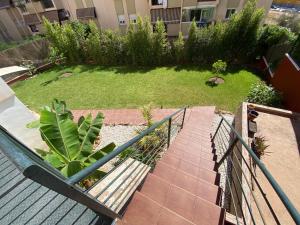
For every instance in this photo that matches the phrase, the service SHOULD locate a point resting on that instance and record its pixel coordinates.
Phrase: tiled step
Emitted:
(179, 208)
(156, 186)
(175, 160)
(144, 211)
(167, 172)
(180, 152)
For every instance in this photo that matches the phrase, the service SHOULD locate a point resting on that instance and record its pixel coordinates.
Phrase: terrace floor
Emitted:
(282, 160)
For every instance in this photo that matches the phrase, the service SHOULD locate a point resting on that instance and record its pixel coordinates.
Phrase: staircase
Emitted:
(183, 188)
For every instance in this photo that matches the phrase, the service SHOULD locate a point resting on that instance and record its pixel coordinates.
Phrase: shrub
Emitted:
(139, 42)
(190, 45)
(271, 35)
(68, 40)
(93, 48)
(295, 52)
(160, 44)
(219, 67)
(178, 48)
(261, 93)
(240, 37)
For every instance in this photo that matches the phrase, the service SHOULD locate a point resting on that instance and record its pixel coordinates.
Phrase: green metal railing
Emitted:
(241, 179)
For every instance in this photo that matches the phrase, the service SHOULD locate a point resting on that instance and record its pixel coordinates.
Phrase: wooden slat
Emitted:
(123, 187)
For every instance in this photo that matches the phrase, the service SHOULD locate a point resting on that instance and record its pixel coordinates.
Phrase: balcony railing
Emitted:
(249, 204)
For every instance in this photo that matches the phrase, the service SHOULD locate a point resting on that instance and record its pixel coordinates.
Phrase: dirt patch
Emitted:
(64, 75)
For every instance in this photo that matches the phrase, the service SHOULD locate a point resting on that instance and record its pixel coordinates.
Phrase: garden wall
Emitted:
(36, 51)
(286, 79)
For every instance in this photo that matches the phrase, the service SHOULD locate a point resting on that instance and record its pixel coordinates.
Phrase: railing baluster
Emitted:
(237, 138)
(169, 131)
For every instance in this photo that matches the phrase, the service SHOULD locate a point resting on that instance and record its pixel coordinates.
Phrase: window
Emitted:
(133, 18)
(201, 15)
(157, 2)
(33, 28)
(47, 4)
(229, 13)
(121, 19)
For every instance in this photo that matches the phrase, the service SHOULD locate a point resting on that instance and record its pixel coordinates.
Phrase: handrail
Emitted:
(283, 197)
(90, 169)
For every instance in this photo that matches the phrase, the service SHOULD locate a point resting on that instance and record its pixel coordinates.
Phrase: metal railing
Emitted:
(239, 163)
(34, 167)
(139, 156)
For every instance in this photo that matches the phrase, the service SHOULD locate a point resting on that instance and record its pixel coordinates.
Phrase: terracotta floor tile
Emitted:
(168, 217)
(142, 211)
(156, 189)
(181, 203)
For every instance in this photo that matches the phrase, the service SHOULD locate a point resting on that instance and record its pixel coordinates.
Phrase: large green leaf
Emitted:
(60, 133)
(89, 130)
(55, 160)
(60, 107)
(72, 168)
(102, 152)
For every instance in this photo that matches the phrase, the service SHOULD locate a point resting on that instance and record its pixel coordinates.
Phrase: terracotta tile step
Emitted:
(182, 202)
(156, 187)
(175, 160)
(196, 149)
(168, 172)
(202, 154)
(145, 211)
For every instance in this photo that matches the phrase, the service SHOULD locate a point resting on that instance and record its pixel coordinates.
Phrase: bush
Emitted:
(295, 53)
(139, 42)
(234, 41)
(178, 49)
(219, 67)
(272, 35)
(160, 44)
(261, 93)
(240, 37)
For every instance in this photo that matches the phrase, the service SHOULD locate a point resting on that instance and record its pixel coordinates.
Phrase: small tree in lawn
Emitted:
(219, 67)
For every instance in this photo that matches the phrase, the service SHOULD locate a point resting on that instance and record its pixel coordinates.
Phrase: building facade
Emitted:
(20, 18)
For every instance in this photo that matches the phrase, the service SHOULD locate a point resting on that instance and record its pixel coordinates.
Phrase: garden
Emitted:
(105, 69)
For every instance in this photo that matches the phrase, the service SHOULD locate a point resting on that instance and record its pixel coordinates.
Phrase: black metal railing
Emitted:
(140, 155)
(245, 196)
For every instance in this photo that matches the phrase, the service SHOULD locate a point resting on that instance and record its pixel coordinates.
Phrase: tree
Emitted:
(191, 42)
(219, 67)
(160, 44)
(139, 42)
(240, 37)
(178, 47)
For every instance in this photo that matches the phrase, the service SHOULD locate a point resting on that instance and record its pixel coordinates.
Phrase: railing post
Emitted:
(169, 131)
(215, 134)
(183, 118)
(229, 150)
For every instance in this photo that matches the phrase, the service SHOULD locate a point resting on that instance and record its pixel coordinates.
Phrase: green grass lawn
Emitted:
(121, 87)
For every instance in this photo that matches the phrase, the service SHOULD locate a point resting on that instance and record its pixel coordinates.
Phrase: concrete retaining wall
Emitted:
(36, 51)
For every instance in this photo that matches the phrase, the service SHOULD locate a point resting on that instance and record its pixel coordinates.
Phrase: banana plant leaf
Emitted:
(72, 168)
(60, 133)
(100, 153)
(89, 130)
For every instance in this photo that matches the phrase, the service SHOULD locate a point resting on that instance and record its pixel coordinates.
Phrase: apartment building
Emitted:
(19, 18)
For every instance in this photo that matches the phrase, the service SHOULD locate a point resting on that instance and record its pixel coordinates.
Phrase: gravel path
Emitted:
(118, 134)
(224, 169)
